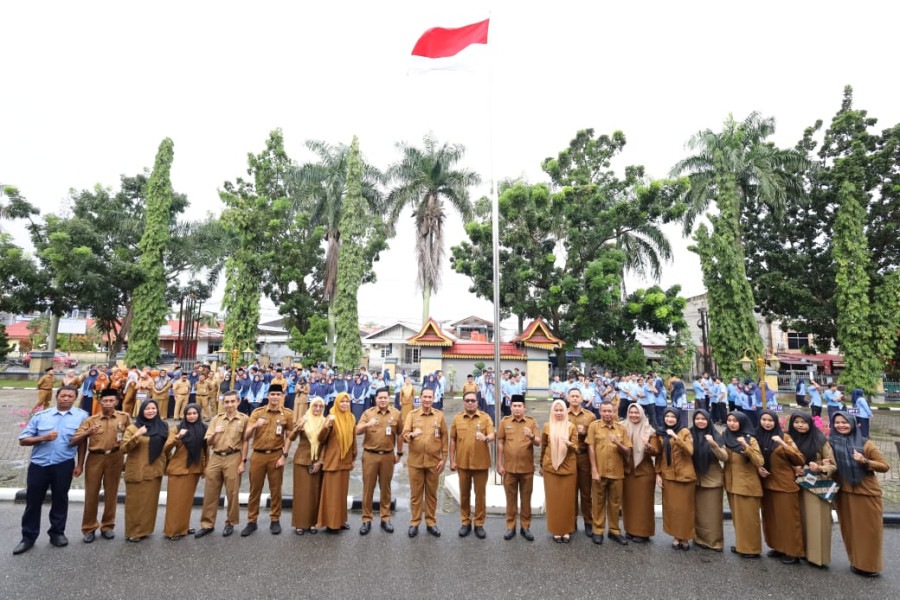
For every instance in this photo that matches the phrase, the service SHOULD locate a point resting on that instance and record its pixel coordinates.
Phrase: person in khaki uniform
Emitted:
(130, 390)
(582, 419)
(184, 470)
(226, 463)
(45, 390)
(516, 439)
(407, 399)
(709, 453)
(202, 391)
(425, 431)
(677, 478)
(269, 428)
(301, 397)
(471, 433)
(308, 468)
(160, 392)
(182, 391)
(381, 427)
(742, 483)
(610, 446)
(338, 453)
(103, 466)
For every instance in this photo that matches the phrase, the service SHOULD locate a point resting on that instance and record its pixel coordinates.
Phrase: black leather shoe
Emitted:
(387, 526)
(89, 537)
(275, 528)
(463, 531)
(774, 554)
(637, 539)
(433, 530)
(23, 546)
(790, 560)
(526, 533)
(365, 528)
(742, 555)
(250, 528)
(510, 534)
(862, 573)
(598, 539)
(133, 540)
(618, 538)
(228, 530)
(108, 534)
(413, 531)
(205, 531)
(480, 533)
(59, 540)
(345, 526)
(175, 538)
(589, 531)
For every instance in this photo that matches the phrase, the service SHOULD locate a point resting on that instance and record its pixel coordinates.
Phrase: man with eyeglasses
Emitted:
(471, 433)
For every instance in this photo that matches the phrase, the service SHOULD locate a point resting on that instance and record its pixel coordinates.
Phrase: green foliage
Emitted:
(677, 357)
(25, 285)
(150, 305)
(4, 343)
(352, 266)
(311, 344)
(38, 329)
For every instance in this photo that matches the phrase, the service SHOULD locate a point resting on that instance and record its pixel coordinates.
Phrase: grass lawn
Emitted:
(21, 383)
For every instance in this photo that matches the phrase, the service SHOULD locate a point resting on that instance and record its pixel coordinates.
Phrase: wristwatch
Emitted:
(284, 454)
(399, 454)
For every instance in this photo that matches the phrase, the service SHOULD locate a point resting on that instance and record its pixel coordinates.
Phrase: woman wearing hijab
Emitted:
(638, 492)
(147, 442)
(864, 412)
(679, 398)
(338, 440)
(308, 468)
(256, 393)
(676, 477)
(815, 512)
(781, 494)
(301, 399)
(407, 398)
(359, 392)
(143, 389)
(858, 501)
(742, 483)
(184, 470)
(559, 445)
(87, 391)
(709, 450)
(160, 392)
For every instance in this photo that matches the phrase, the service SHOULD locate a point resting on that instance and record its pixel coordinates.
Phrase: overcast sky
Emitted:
(89, 89)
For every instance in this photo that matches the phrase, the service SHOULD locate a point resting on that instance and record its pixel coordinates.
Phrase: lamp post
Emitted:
(234, 354)
(760, 361)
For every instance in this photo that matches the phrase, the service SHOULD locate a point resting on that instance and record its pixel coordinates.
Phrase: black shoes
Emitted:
(774, 554)
(108, 534)
(386, 525)
(207, 530)
(480, 533)
(790, 560)
(23, 546)
(250, 528)
(413, 531)
(275, 528)
(510, 534)
(59, 540)
(89, 537)
(526, 533)
(589, 530)
(637, 539)
(228, 530)
(345, 526)
(598, 539)
(433, 530)
(742, 555)
(365, 528)
(859, 572)
(465, 530)
(617, 538)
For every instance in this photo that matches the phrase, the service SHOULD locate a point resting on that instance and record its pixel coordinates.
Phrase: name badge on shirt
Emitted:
(278, 428)
(852, 411)
(141, 395)
(119, 436)
(437, 432)
(387, 430)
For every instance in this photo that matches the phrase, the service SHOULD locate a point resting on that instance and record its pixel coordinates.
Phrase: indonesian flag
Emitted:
(445, 49)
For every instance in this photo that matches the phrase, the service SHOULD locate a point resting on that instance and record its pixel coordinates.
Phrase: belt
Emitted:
(379, 451)
(582, 452)
(105, 452)
(225, 452)
(267, 451)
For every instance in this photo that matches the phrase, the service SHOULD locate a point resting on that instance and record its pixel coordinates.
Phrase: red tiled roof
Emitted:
(483, 350)
(19, 331)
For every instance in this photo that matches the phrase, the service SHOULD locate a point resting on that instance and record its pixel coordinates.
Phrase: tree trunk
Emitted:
(123, 331)
(426, 301)
(332, 329)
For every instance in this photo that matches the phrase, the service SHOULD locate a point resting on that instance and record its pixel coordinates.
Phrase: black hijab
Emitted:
(663, 428)
(157, 430)
(764, 436)
(195, 438)
(703, 455)
(844, 445)
(809, 443)
(746, 431)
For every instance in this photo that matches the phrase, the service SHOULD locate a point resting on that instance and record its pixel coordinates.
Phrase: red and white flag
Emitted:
(457, 49)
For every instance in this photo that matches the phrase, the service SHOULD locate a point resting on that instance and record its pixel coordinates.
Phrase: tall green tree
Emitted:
(150, 305)
(425, 178)
(352, 266)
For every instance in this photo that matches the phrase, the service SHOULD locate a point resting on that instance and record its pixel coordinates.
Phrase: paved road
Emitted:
(393, 566)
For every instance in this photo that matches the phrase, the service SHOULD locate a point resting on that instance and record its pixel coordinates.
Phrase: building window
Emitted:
(797, 341)
(385, 352)
(412, 355)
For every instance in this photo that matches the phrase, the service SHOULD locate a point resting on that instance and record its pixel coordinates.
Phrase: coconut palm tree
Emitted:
(762, 171)
(425, 178)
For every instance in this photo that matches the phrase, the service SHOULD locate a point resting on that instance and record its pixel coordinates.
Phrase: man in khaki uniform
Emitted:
(470, 437)
(382, 428)
(269, 428)
(103, 466)
(425, 431)
(201, 393)
(226, 464)
(610, 446)
(516, 439)
(582, 419)
(45, 390)
(182, 391)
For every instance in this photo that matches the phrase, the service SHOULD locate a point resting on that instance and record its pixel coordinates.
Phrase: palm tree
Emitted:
(320, 189)
(425, 178)
(762, 171)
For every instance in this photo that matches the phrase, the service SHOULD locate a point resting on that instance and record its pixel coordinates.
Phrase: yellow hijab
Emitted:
(559, 437)
(344, 424)
(313, 426)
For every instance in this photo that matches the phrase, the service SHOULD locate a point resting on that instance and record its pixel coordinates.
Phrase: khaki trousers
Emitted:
(583, 478)
(181, 402)
(105, 470)
(518, 487)
(221, 470)
(606, 499)
(262, 468)
(378, 467)
(203, 401)
(423, 481)
(466, 478)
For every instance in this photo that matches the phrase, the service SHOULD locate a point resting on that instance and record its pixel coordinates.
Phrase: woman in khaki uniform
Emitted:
(338, 454)
(160, 392)
(308, 468)
(858, 501)
(709, 450)
(143, 391)
(676, 477)
(147, 443)
(301, 398)
(781, 494)
(815, 512)
(559, 444)
(407, 399)
(742, 483)
(638, 491)
(184, 470)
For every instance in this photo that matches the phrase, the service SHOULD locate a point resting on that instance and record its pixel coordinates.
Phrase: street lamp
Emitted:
(747, 365)
(234, 354)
